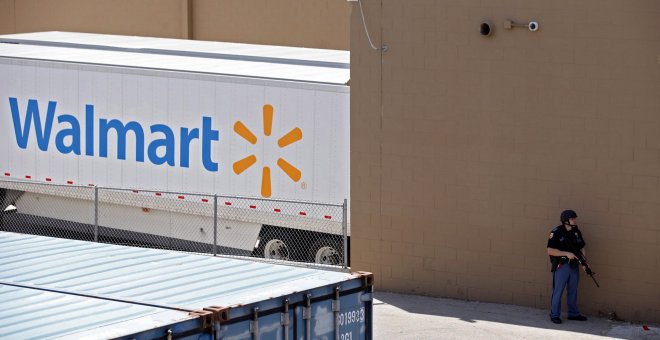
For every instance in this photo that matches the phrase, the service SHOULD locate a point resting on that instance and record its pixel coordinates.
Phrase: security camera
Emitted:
(533, 26)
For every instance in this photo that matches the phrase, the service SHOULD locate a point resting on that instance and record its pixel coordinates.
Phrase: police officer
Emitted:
(565, 266)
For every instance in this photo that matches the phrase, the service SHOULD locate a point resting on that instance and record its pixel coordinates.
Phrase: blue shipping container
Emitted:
(57, 288)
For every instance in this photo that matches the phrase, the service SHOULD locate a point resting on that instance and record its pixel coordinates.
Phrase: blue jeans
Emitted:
(565, 277)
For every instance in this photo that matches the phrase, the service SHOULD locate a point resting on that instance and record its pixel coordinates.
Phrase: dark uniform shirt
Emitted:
(559, 238)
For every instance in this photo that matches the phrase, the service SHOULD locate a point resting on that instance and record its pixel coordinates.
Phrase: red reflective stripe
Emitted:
(227, 203)
(135, 191)
(328, 217)
(69, 182)
(48, 179)
(278, 210)
(7, 174)
(204, 200)
(302, 213)
(181, 197)
(28, 176)
(253, 207)
(158, 194)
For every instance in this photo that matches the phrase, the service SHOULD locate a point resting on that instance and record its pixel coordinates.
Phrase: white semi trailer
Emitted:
(164, 116)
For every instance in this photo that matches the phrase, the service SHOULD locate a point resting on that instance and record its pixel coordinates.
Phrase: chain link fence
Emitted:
(308, 233)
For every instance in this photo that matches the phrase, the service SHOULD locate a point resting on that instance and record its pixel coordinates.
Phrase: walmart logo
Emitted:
(287, 139)
(157, 144)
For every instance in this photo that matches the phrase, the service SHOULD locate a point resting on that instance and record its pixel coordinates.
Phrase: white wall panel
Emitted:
(5, 116)
(85, 94)
(175, 114)
(101, 98)
(159, 115)
(130, 99)
(27, 163)
(191, 116)
(225, 95)
(113, 109)
(206, 103)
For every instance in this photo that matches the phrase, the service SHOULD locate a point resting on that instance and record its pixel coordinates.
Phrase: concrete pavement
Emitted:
(400, 316)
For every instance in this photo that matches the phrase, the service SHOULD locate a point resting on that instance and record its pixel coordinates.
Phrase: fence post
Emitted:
(96, 214)
(344, 227)
(215, 224)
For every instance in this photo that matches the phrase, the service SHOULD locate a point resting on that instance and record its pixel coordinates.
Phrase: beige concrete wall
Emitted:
(161, 18)
(465, 149)
(7, 24)
(304, 23)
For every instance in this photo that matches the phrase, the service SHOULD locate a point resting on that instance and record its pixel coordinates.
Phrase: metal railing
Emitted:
(306, 233)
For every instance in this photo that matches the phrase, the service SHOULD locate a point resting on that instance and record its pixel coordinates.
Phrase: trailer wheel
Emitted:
(273, 244)
(327, 251)
(276, 249)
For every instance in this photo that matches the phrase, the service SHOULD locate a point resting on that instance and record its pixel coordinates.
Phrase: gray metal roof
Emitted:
(59, 280)
(37, 314)
(232, 59)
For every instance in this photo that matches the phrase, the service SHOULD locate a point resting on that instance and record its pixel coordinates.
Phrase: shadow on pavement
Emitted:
(472, 319)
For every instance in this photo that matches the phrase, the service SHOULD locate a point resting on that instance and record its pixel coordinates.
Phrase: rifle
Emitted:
(580, 257)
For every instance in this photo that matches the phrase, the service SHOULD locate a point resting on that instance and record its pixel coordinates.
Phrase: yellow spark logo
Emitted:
(289, 138)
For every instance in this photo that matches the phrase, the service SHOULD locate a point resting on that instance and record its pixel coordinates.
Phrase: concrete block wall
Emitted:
(158, 18)
(465, 149)
(303, 23)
